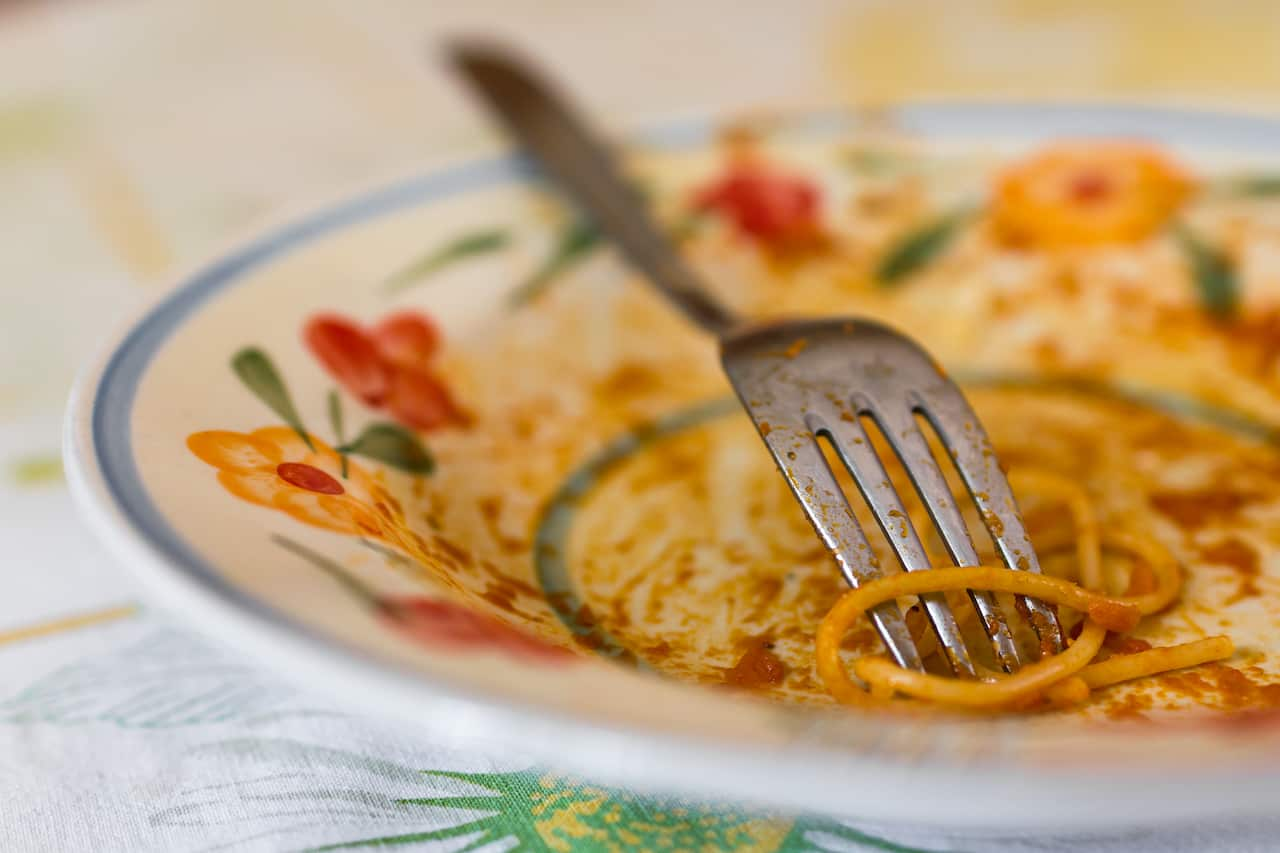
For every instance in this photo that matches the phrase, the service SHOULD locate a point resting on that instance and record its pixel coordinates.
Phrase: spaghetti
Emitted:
(1062, 679)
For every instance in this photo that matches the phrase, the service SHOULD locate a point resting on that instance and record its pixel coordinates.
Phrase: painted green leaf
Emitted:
(394, 446)
(344, 578)
(391, 555)
(457, 249)
(919, 247)
(573, 244)
(1214, 276)
(1249, 186)
(256, 371)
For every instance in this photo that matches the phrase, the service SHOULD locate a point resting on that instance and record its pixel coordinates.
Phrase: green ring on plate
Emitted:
(551, 539)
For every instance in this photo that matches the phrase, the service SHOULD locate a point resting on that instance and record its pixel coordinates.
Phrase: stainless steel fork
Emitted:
(804, 381)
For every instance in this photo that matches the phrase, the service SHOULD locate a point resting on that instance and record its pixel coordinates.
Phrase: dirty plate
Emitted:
(434, 450)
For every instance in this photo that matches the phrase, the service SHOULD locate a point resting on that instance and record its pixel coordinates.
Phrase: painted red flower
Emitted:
(436, 622)
(387, 366)
(349, 355)
(406, 338)
(764, 203)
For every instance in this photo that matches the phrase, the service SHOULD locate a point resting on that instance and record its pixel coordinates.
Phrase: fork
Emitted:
(803, 382)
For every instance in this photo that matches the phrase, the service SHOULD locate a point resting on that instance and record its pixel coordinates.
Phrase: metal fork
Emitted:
(802, 381)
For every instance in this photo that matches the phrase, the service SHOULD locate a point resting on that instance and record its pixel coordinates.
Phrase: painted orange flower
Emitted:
(274, 467)
(1088, 194)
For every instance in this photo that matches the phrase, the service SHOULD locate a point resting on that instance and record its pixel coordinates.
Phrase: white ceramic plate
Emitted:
(467, 599)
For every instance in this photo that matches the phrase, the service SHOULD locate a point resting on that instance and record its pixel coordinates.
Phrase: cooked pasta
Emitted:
(1063, 678)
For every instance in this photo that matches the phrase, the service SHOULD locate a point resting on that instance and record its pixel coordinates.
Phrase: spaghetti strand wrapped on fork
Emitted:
(1064, 678)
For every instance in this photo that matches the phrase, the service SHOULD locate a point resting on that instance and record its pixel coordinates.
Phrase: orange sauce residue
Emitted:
(797, 347)
(1241, 558)
(1125, 645)
(758, 667)
(1132, 706)
(628, 381)
(1224, 687)
(1141, 581)
(1194, 509)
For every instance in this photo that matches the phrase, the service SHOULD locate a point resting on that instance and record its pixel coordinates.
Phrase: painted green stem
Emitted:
(336, 423)
(330, 568)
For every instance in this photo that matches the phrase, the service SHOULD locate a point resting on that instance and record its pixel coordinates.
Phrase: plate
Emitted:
(431, 448)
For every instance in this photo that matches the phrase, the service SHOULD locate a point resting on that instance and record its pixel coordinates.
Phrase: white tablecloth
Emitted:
(136, 136)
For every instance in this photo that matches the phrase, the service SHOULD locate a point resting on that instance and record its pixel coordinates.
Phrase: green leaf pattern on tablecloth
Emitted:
(268, 786)
(528, 809)
(38, 469)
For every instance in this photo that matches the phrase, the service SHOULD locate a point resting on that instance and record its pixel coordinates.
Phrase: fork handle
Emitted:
(543, 123)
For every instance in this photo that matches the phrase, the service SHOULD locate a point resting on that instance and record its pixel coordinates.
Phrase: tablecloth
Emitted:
(137, 136)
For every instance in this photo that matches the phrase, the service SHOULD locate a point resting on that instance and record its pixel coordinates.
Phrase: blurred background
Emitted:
(137, 137)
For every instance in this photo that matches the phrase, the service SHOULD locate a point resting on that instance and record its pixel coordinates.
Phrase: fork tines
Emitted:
(806, 382)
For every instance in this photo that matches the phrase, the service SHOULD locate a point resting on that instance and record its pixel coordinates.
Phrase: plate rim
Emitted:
(178, 575)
